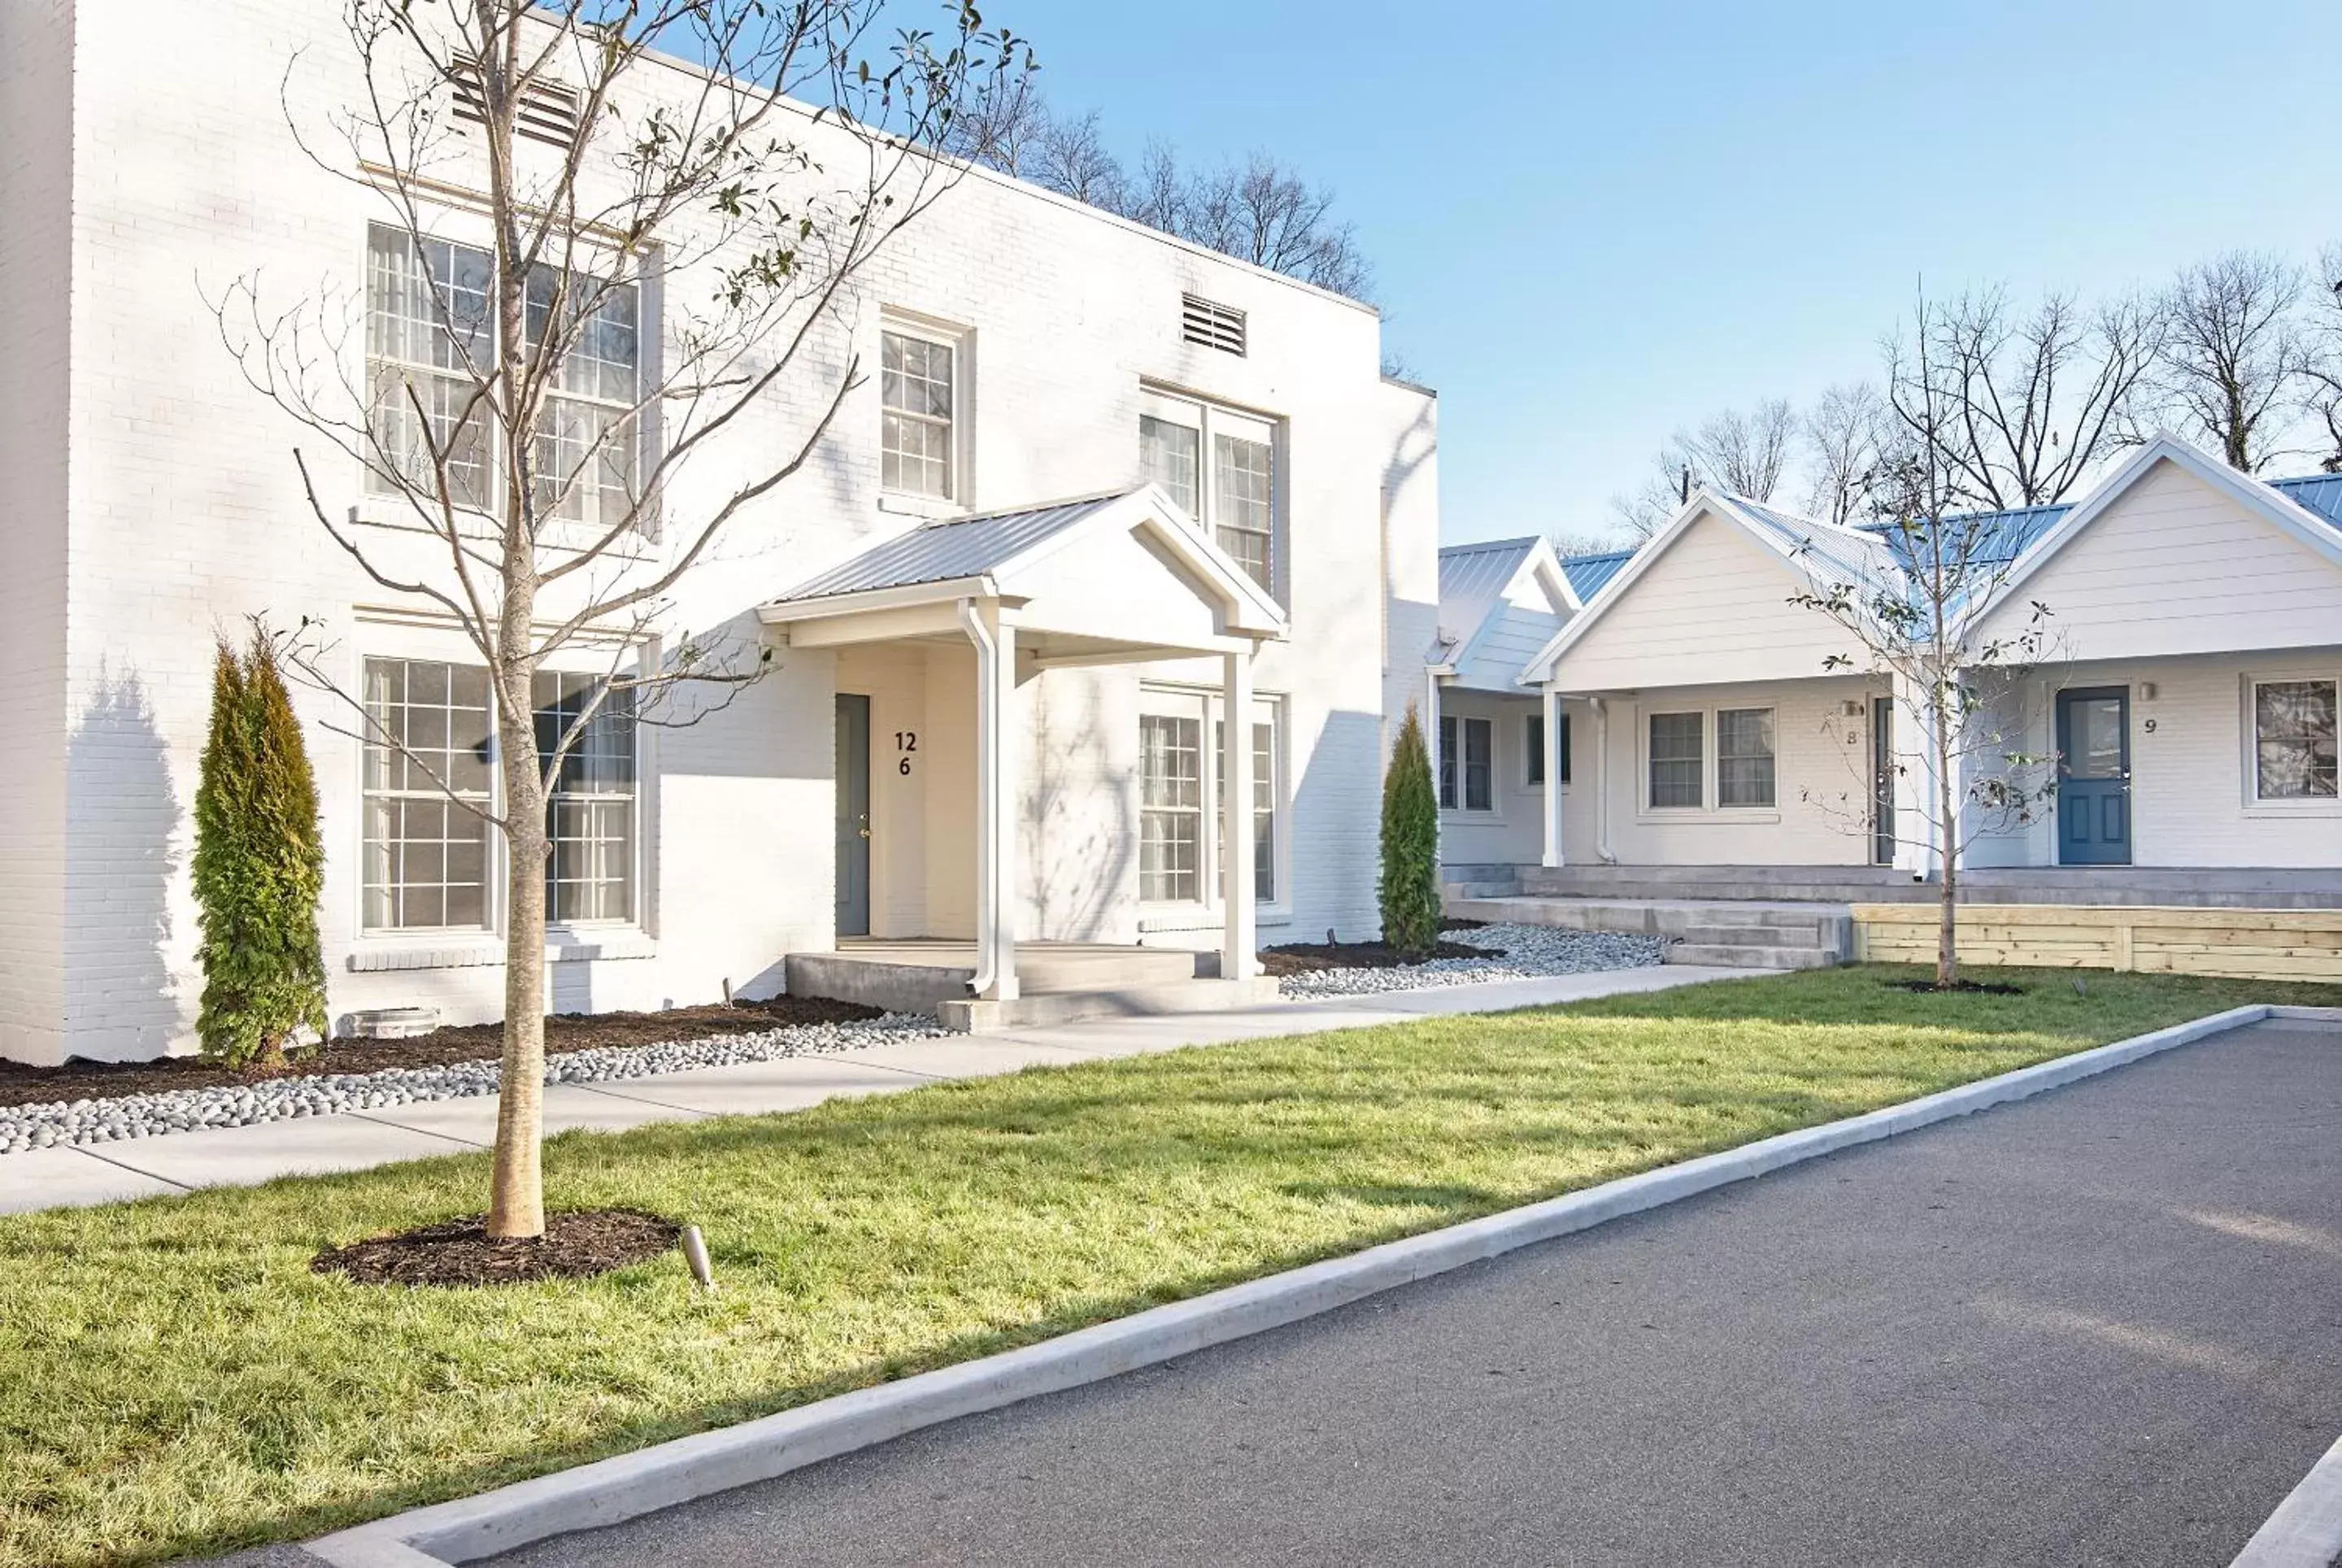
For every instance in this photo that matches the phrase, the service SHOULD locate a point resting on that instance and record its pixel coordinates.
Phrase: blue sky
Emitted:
(1591, 224)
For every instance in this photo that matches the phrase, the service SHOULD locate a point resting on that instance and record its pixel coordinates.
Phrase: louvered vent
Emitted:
(1211, 325)
(548, 111)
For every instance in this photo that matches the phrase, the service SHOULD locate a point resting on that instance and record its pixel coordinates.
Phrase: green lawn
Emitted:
(173, 1379)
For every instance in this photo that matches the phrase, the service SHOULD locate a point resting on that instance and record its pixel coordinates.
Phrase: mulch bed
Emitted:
(1981, 988)
(80, 1079)
(460, 1253)
(1308, 958)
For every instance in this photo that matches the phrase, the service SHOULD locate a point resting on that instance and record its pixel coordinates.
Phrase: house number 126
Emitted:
(905, 741)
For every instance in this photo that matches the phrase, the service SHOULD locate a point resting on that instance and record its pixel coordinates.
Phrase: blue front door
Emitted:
(2094, 777)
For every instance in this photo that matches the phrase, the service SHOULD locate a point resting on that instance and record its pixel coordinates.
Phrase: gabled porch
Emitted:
(977, 611)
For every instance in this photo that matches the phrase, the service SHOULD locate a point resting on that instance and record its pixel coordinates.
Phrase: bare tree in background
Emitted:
(535, 460)
(2234, 367)
(1846, 439)
(1919, 607)
(1744, 453)
(2021, 408)
(2321, 340)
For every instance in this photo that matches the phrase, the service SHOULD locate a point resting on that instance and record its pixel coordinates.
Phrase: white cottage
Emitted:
(1148, 719)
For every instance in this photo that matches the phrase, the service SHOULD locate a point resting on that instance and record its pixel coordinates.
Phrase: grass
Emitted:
(174, 1380)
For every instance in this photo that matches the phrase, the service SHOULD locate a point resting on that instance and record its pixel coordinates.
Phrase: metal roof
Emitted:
(1587, 575)
(952, 547)
(2320, 495)
(1472, 577)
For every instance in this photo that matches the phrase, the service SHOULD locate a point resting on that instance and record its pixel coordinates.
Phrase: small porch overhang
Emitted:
(1120, 578)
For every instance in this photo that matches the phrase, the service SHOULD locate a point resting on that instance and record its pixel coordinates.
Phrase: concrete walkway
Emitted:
(2096, 1327)
(356, 1141)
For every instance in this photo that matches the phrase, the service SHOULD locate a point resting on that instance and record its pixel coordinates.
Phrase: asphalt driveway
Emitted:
(2104, 1326)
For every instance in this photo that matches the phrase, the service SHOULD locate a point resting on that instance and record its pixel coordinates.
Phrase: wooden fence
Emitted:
(2244, 944)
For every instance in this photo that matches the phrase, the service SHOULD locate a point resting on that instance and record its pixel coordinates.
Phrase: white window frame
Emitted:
(410, 947)
(1710, 809)
(1533, 749)
(1212, 420)
(1773, 778)
(2249, 760)
(1207, 707)
(383, 503)
(959, 444)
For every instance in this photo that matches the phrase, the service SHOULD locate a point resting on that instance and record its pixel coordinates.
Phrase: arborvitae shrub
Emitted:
(1409, 883)
(259, 867)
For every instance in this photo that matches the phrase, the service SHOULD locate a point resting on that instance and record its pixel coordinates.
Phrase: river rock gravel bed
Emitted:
(1515, 953)
(23, 1127)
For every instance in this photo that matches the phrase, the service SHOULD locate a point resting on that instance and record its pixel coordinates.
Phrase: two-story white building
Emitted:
(1116, 495)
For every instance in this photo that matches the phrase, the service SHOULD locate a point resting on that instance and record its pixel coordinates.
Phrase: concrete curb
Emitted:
(629, 1485)
(2306, 1530)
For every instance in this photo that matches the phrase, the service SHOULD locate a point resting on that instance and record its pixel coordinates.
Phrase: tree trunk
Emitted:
(1947, 829)
(516, 1191)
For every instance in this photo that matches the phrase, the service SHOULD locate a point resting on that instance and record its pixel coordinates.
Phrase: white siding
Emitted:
(2192, 788)
(1513, 831)
(2173, 565)
(1516, 629)
(1713, 601)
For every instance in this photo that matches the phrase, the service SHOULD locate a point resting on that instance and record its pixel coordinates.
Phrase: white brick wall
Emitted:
(185, 517)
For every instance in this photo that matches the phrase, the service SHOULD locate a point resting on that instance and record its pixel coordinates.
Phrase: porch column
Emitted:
(996, 799)
(1551, 699)
(1237, 961)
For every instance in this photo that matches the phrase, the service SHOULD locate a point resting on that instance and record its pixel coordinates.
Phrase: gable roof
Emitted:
(1473, 579)
(2285, 503)
(1810, 550)
(973, 552)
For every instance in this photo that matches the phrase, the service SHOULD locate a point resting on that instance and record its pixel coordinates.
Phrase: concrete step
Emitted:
(1772, 925)
(970, 1016)
(919, 977)
(1511, 890)
(1805, 934)
(1732, 955)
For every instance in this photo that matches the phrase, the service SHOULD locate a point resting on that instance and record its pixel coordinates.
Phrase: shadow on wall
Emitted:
(1338, 843)
(1078, 861)
(121, 1003)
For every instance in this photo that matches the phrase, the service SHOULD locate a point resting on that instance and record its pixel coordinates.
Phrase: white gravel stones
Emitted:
(23, 1127)
(1515, 953)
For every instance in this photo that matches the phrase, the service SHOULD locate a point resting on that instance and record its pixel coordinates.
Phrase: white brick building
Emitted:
(152, 502)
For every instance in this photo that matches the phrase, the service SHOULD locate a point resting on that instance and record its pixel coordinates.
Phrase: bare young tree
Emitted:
(1072, 160)
(1920, 605)
(539, 457)
(1846, 439)
(2021, 408)
(2234, 361)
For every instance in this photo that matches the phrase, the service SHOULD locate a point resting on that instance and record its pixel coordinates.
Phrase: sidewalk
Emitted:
(356, 1141)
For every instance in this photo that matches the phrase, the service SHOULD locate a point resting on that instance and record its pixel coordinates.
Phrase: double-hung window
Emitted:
(1678, 764)
(2294, 739)
(431, 349)
(1171, 809)
(1744, 757)
(1180, 854)
(1220, 466)
(1467, 770)
(430, 728)
(918, 392)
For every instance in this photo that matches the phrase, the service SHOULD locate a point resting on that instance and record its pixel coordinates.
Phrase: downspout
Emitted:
(986, 970)
(1602, 781)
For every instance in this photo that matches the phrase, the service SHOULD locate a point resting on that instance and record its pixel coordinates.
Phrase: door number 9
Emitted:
(907, 741)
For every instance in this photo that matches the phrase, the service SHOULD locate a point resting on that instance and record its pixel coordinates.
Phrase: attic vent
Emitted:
(1210, 324)
(548, 111)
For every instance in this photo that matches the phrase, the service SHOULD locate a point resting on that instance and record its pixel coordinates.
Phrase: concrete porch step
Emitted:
(1751, 955)
(918, 976)
(971, 1016)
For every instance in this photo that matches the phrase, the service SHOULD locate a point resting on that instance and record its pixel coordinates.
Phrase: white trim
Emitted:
(1544, 566)
(1711, 782)
(959, 479)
